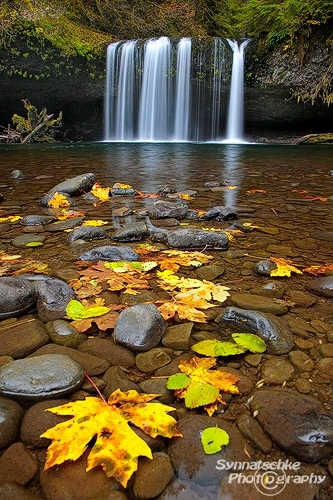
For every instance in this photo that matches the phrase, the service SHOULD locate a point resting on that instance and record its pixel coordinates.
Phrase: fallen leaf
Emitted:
(76, 310)
(93, 222)
(34, 244)
(117, 446)
(251, 191)
(58, 200)
(105, 322)
(284, 267)
(169, 309)
(103, 194)
(318, 269)
(10, 218)
(213, 439)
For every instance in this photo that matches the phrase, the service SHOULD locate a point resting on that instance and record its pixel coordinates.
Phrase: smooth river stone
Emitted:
(11, 415)
(321, 286)
(40, 377)
(24, 239)
(17, 296)
(76, 185)
(258, 303)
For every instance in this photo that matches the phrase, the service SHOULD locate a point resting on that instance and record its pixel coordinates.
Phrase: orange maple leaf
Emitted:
(117, 446)
(284, 267)
(256, 191)
(318, 269)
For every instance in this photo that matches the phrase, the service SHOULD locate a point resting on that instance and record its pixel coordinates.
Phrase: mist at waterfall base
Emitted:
(175, 91)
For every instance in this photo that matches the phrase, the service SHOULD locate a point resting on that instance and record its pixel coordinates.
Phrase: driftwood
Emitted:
(37, 129)
(9, 135)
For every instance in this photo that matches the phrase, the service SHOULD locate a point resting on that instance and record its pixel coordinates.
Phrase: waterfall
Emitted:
(154, 112)
(236, 99)
(109, 91)
(183, 89)
(169, 90)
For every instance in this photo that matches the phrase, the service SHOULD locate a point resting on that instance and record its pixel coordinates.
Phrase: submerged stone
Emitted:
(140, 327)
(299, 424)
(37, 220)
(111, 253)
(40, 377)
(87, 233)
(167, 209)
(131, 232)
(220, 213)
(76, 185)
(192, 238)
(278, 338)
(17, 296)
(53, 296)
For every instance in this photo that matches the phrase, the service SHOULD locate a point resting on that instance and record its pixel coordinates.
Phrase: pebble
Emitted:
(93, 365)
(17, 464)
(116, 378)
(297, 423)
(140, 327)
(110, 253)
(62, 333)
(22, 338)
(210, 272)
(301, 361)
(115, 354)
(271, 289)
(152, 360)
(152, 476)
(276, 371)
(258, 303)
(178, 336)
(321, 286)
(11, 415)
(60, 226)
(254, 433)
(325, 367)
(158, 386)
(53, 296)
(40, 377)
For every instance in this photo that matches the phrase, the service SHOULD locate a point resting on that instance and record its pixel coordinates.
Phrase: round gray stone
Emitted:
(40, 377)
(11, 414)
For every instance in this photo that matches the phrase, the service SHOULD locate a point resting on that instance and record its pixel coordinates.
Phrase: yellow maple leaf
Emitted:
(117, 446)
(94, 222)
(169, 309)
(103, 194)
(284, 267)
(10, 218)
(58, 200)
(185, 196)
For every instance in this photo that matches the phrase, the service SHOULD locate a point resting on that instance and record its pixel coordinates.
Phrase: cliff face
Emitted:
(76, 87)
(283, 94)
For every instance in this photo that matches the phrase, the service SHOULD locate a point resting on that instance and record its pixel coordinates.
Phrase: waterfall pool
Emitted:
(283, 198)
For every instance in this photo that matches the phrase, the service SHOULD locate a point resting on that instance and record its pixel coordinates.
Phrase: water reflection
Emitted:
(232, 176)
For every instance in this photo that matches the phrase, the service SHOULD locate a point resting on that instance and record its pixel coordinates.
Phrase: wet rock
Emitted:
(110, 253)
(37, 220)
(188, 490)
(257, 303)
(301, 361)
(322, 235)
(276, 371)
(131, 232)
(245, 383)
(278, 338)
(253, 359)
(90, 364)
(254, 433)
(4, 228)
(321, 286)
(17, 174)
(53, 296)
(192, 238)
(301, 299)
(210, 272)
(76, 185)
(187, 454)
(166, 222)
(326, 350)
(300, 327)
(325, 367)
(22, 339)
(166, 209)
(178, 336)
(140, 327)
(36, 421)
(140, 298)
(11, 415)
(59, 227)
(12, 491)
(264, 267)
(152, 360)
(271, 289)
(44, 202)
(158, 386)
(40, 377)
(303, 386)
(24, 240)
(17, 465)
(70, 481)
(107, 349)
(116, 378)
(119, 189)
(87, 233)
(298, 423)
(62, 333)
(17, 296)
(220, 213)
(152, 476)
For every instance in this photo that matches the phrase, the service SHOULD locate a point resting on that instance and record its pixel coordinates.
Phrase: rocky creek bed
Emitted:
(284, 409)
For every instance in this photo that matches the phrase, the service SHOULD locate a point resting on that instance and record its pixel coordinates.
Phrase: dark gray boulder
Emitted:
(17, 296)
(131, 232)
(166, 209)
(140, 327)
(192, 238)
(278, 338)
(53, 296)
(110, 253)
(87, 233)
(220, 213)
(76, 185)
(37, 220)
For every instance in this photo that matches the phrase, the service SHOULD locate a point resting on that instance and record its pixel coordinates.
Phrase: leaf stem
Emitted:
(97, 389)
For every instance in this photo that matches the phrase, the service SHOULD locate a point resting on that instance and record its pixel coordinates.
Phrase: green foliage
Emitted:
(178, 381)
(213, 439)
(77, 311)
(243, 342)
(37, 127)
(200, 395)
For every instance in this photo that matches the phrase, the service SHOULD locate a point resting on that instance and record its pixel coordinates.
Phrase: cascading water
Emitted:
(164, 90)
(183, 90)
(236, 99)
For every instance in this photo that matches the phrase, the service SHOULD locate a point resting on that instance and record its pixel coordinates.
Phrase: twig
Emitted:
(17, 323)
(275, 212)
(97, 389)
